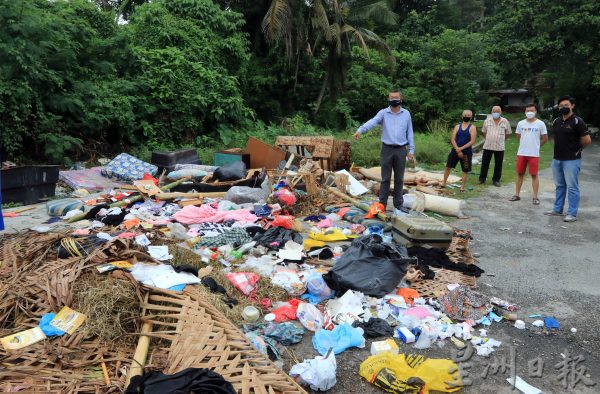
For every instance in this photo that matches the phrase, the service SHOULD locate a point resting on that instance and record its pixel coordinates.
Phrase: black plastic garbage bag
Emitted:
(370, 266)
(231, 172)
(375, 328)
(188, 381)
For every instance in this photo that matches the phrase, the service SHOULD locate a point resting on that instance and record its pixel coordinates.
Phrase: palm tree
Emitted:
(335, 25)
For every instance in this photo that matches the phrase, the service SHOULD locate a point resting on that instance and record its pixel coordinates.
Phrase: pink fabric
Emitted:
(205, 214)
(325, 223)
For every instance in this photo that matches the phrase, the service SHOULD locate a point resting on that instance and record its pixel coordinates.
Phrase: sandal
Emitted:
(462, 190)
(515, 198)
(536, 201)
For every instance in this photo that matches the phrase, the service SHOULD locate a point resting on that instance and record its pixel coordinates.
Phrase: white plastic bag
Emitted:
(318, 373)
(310, 317)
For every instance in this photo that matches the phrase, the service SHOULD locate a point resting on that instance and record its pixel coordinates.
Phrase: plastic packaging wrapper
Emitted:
(369, 266)
(310, 317)
(375, 328)
(245, 194)
(289, 280)
(317, 289)
(317, 373)
(263, 265)
(411, 374)
(243, 281)
(339, 339)
(285, 221)
(329, 235)
(287, 311)
(374, 209)
(231, 172)
(286, 197)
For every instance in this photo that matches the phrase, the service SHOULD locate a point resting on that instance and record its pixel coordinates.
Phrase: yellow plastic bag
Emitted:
(329, 235)
(311, 243)
(411, 374)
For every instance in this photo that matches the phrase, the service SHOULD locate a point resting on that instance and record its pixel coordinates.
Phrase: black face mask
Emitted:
(564, 110)
(395, 103)
(466, 119)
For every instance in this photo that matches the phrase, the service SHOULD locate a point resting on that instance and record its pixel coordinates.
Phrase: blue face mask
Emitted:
(495, 115)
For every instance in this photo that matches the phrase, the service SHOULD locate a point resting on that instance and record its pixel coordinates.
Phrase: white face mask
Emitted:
(530, 115)
(495, 115)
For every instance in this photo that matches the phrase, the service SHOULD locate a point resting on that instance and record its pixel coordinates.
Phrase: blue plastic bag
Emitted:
(50, 331)
(340, 338)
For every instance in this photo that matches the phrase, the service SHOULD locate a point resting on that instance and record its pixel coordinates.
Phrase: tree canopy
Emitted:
(79, 78)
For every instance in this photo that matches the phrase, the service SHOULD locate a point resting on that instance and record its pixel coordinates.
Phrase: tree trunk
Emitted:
(321, 93)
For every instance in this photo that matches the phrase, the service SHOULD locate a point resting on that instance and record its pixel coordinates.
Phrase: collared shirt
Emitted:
(495, 134)
(396, 127)
(567, 137)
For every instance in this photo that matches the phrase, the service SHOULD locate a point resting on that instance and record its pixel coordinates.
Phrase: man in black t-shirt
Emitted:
(570, 137)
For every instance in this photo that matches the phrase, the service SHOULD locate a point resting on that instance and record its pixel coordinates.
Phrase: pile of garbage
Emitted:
(335, 277)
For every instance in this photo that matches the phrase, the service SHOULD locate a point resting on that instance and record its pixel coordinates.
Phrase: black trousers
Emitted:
(485, 164)
(392, 159)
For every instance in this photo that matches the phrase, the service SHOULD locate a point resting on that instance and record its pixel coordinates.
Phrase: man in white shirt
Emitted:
(532, 135)
(496, 130)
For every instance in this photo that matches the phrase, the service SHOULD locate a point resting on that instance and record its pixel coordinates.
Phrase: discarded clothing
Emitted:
(264, 345)
(190, 380)
(315, 218)
(205, 213)
(284, 333)
(370, 266)
(276, 237)
(437, 258)
(210, 229)
(214, 287)
(375, 328)
(186, 268)
(235, 237)
(464, 304)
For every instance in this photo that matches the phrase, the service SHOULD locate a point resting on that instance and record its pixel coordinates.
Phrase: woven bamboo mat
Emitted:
(200, 336)
(459, 251)
(438, 286)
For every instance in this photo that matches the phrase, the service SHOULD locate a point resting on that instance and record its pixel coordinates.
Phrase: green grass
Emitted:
(8, 205)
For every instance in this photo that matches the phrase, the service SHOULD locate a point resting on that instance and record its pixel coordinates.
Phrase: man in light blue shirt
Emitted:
(397, 145)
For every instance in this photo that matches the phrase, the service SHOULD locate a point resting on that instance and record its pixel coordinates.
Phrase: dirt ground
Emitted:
(538, 262)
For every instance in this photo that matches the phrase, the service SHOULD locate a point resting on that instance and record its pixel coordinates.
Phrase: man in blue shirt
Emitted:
(397, 145)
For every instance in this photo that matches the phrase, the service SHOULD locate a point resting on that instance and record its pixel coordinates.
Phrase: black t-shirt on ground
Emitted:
(567, 137)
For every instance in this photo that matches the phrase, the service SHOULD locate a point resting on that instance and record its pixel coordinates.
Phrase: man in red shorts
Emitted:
(532, 135)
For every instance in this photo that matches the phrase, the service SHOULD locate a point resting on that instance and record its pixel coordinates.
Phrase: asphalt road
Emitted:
(543, 265)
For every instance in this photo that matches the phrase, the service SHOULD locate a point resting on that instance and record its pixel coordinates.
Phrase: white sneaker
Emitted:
(570, 219)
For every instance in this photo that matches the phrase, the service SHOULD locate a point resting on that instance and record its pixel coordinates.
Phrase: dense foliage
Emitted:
(79, 78)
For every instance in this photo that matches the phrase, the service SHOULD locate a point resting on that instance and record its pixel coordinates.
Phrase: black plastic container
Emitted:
(28, 184)
(167, 160)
